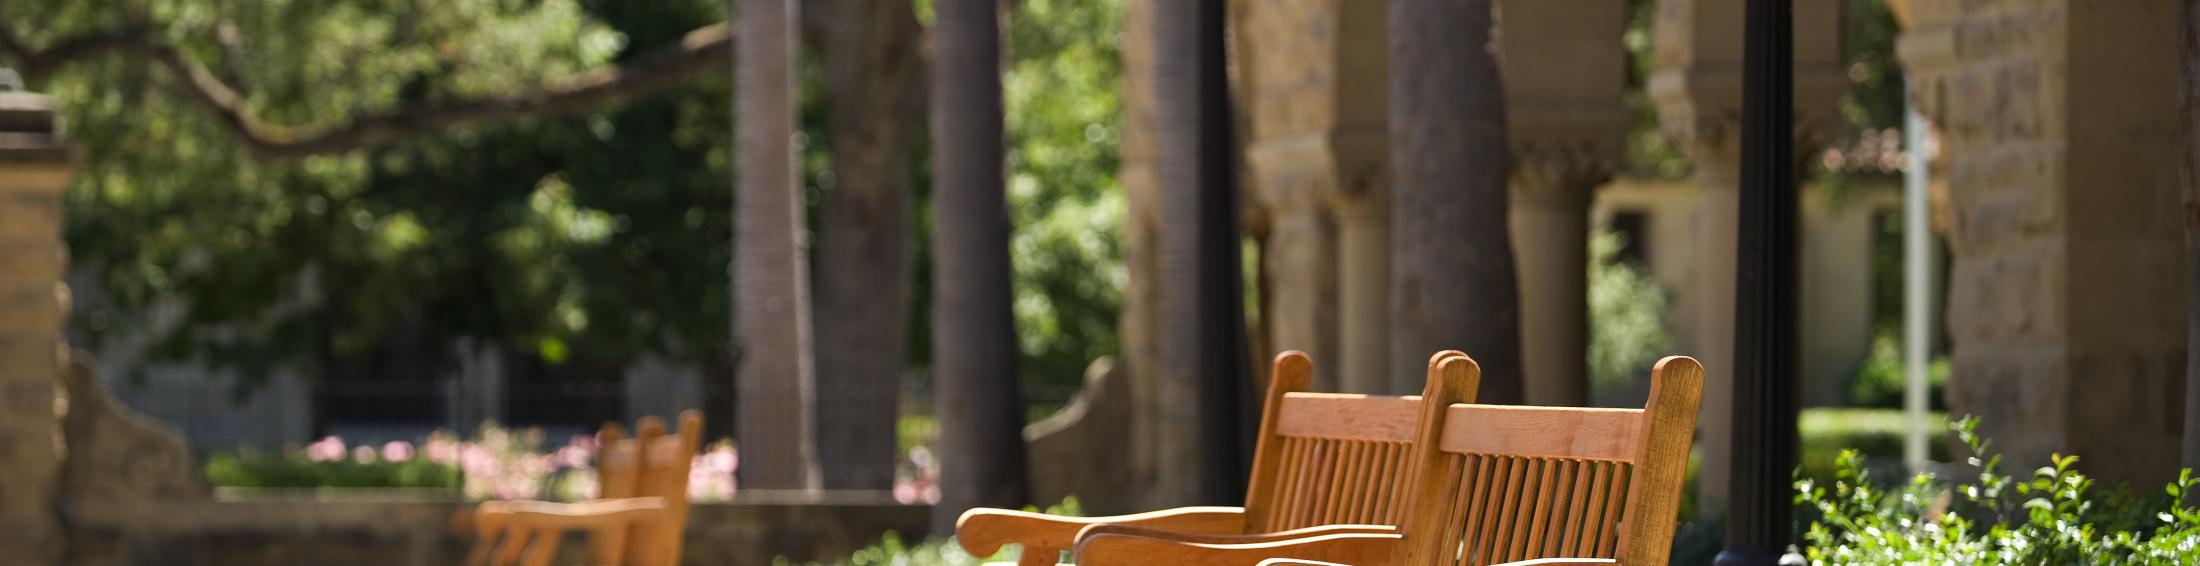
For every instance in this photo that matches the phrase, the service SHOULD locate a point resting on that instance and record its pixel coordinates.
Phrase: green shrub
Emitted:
(1626, 313)
(1876, 435)
(2050, 518)
(282, 471)
(935, 552)
(1880, 381)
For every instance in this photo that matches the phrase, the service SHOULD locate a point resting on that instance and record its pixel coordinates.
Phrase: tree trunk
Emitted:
(1452, 272)
(870, 57)
(771, 326)
(981, 445)
(2189, 105)
(1187, 256)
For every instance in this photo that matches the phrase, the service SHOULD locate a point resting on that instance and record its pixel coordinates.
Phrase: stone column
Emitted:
(1314, 74)
(2066, 300)
(33, 169)
(1565, 74)
(1698, 89)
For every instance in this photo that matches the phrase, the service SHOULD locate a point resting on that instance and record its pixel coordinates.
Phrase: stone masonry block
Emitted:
(28, 215)
(2009, 296)
(27, 399)
(36, 259)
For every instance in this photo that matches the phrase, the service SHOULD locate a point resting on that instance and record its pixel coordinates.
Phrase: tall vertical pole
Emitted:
(1917, 289)
(1226, 428)
(1183, 456)
(1758, 524)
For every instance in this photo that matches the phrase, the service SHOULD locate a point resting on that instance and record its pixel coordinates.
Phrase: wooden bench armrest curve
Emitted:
(602, 513)
(1536, 562)
(983, 531)
(1347, 548)
(1247, 538)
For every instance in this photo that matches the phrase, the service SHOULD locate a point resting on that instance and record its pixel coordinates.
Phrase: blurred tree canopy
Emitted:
(591, 237)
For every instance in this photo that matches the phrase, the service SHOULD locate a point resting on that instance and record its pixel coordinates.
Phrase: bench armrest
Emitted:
(1350, 548)
(1247, 538)
(983, 531)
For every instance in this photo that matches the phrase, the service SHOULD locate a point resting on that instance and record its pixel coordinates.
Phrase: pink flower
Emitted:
(721, 459)
(363, 454)
(441, 450)
(397, 451)
(573, 456)
(328, 449)
(476, 461)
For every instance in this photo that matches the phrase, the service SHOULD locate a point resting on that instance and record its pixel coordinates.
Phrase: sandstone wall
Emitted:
(2058, 123)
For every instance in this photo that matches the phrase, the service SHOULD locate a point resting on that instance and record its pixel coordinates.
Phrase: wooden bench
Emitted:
(1323, 463)
(1502, 485)
(637, 520)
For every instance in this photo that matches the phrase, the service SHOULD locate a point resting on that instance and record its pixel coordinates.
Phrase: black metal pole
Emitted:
(1225, 386)
(1759, 519)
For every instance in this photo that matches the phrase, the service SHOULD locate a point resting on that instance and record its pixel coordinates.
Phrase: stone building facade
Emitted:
(2057, 125)
(2067, 299)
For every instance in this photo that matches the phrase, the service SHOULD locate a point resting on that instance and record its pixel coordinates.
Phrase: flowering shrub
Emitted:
(499, 463)
(250, 469)
(1996, 519)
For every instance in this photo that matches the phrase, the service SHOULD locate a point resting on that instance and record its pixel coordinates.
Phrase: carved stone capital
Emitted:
(1561, 170)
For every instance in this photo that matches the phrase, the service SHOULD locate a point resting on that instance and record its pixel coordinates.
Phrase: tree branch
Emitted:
(705, 49)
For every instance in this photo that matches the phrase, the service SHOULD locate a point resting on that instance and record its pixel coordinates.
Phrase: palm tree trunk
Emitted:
(1452, 271)
(2189, 50)
(1184, 459)
(981, 444)
(771, 326)
(862, 271)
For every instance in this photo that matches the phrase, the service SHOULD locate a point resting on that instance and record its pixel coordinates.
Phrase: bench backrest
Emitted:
(651, 464)
(1508, 483)
(1328, 458)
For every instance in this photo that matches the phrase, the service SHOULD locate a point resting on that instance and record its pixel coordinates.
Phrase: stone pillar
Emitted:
(33, 169)
(1565, 75)
(1313, 74)
(1698, 89)
(2059, 126)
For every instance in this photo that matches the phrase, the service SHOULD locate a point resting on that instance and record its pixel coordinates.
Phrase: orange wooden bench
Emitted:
(637, 520)
(1502, 485)
(1323, 463)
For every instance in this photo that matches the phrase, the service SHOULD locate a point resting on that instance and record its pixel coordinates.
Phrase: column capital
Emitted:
(1698, 82)
(32, 158)
(1561, 170)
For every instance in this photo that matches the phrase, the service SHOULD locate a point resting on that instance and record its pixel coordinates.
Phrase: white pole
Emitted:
(1917, 260)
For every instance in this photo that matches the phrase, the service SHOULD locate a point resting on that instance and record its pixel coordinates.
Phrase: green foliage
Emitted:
(1648, 154)
(1875, 435)
(2048, 518)
(593, 238)
(1626, 315)
(605, 229)
(267, 470)
(1062, 90)
(936, 552)
(1881, 382)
